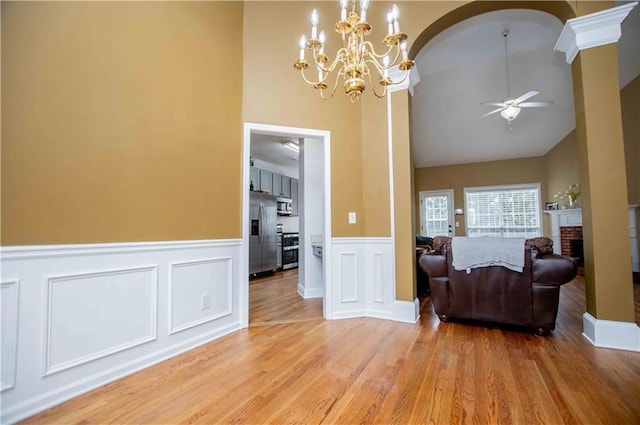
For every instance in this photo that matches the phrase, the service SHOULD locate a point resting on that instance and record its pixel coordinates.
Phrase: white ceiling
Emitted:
(464, 66)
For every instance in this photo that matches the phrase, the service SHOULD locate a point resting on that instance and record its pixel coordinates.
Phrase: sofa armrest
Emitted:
(433, 264)
(553, 269)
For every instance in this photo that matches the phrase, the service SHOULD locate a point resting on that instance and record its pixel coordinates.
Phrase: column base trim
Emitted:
(611, 334)
(406, 311)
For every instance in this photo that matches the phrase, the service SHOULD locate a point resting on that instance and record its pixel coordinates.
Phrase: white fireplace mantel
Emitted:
(573, 217)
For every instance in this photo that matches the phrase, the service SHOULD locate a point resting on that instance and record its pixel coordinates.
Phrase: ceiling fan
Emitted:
(510, 108)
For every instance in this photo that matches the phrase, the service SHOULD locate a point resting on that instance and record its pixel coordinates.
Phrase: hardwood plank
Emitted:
(275, 299)
(375, 371)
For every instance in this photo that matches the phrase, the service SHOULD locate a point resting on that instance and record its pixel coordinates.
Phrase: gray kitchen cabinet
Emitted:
(254, 177)
(294, 196)
(266, 181)
(277, 184)
(286, 187)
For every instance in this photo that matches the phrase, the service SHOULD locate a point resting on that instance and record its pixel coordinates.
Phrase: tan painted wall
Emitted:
(457, 177)
(120, 121)
(375, 168)
(562, 168)
(630, 101)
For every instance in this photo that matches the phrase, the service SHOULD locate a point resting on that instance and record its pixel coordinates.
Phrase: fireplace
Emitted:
(571, 243)
(577, 251)
(568, 222)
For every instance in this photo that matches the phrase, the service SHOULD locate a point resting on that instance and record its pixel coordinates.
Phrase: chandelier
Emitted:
(356, 59)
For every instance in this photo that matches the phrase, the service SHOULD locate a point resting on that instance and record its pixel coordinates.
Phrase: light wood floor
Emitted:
(377, 371)
(274, 299)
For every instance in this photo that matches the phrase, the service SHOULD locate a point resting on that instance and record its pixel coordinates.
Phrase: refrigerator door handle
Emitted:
(261, 223)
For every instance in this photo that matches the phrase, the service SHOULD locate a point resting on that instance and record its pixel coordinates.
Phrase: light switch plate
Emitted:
(352, 218)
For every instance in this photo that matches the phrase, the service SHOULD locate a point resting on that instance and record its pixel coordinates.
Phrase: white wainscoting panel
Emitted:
(92, 315)
(9, 296)
(89, 314)
(348, 267)
(378, 277)
(191, 281)
(365, 286)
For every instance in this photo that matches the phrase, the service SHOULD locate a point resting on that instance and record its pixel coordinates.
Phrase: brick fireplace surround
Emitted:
(566, 225)
(568, 234)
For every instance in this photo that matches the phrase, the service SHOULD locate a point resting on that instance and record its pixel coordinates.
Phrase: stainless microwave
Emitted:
(285, 206)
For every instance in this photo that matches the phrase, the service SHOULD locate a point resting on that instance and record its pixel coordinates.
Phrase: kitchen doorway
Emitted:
(289, 294)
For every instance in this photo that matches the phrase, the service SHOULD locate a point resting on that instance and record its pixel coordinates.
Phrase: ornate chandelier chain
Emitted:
(357, 59)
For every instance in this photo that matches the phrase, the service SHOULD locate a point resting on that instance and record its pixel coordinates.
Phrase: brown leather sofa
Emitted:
(495, 294)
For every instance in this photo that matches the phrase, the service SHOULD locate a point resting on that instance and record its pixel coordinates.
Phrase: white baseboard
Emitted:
(308, 293)
(32, 406)
(136, 304)
(610, 334)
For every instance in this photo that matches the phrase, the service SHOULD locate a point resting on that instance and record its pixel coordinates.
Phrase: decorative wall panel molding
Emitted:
(200, 291)
(9, 295)
(364, 284)
(348, 284)
(92, 315)
(98, 312)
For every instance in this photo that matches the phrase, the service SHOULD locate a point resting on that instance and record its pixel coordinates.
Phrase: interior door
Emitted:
(436, 213)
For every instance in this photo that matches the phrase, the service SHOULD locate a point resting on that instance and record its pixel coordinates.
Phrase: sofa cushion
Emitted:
(542, 245)
(439, 242)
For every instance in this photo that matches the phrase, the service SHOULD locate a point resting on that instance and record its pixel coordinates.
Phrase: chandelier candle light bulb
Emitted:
(396, 18)
(363, 7)
(303, 45)
(356, 60)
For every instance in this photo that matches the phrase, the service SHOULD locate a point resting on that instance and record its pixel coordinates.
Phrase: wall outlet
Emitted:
(352, 218)
(457, 224)
(205, 302)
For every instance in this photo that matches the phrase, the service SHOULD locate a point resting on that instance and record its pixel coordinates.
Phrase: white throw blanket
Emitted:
(485, 251)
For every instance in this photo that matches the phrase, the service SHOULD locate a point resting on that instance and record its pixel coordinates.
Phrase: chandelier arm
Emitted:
(373, 87)
(333, 91)
(380, 68)
(304, 77)
(340, 55)
(372, 51)
(406, 74)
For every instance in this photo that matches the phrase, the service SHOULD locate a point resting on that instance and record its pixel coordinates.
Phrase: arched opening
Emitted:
(596, 125)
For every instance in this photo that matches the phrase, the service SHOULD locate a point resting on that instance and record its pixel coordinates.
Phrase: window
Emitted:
(504, 211)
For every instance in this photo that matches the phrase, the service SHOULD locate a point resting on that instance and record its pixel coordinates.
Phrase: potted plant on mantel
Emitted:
(571, 195)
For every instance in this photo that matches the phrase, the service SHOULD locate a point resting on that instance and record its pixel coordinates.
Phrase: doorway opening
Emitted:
(294, 292)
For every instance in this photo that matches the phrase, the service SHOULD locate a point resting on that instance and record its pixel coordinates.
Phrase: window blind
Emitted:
(503, 211)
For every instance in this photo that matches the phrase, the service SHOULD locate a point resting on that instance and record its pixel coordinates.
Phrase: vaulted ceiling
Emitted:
(465, 65)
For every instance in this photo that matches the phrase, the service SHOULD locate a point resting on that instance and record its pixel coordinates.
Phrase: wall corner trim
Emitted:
(593, 30)
(611, 334)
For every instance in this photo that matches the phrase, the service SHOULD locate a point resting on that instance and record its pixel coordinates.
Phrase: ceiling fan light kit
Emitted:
(511, 108)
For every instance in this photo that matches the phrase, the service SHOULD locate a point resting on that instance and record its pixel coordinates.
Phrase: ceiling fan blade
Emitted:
(526, 96)
(502, 105)
(535, 104)
(492, 112)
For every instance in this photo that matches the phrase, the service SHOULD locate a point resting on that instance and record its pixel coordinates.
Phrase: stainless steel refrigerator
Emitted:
(262, 233)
